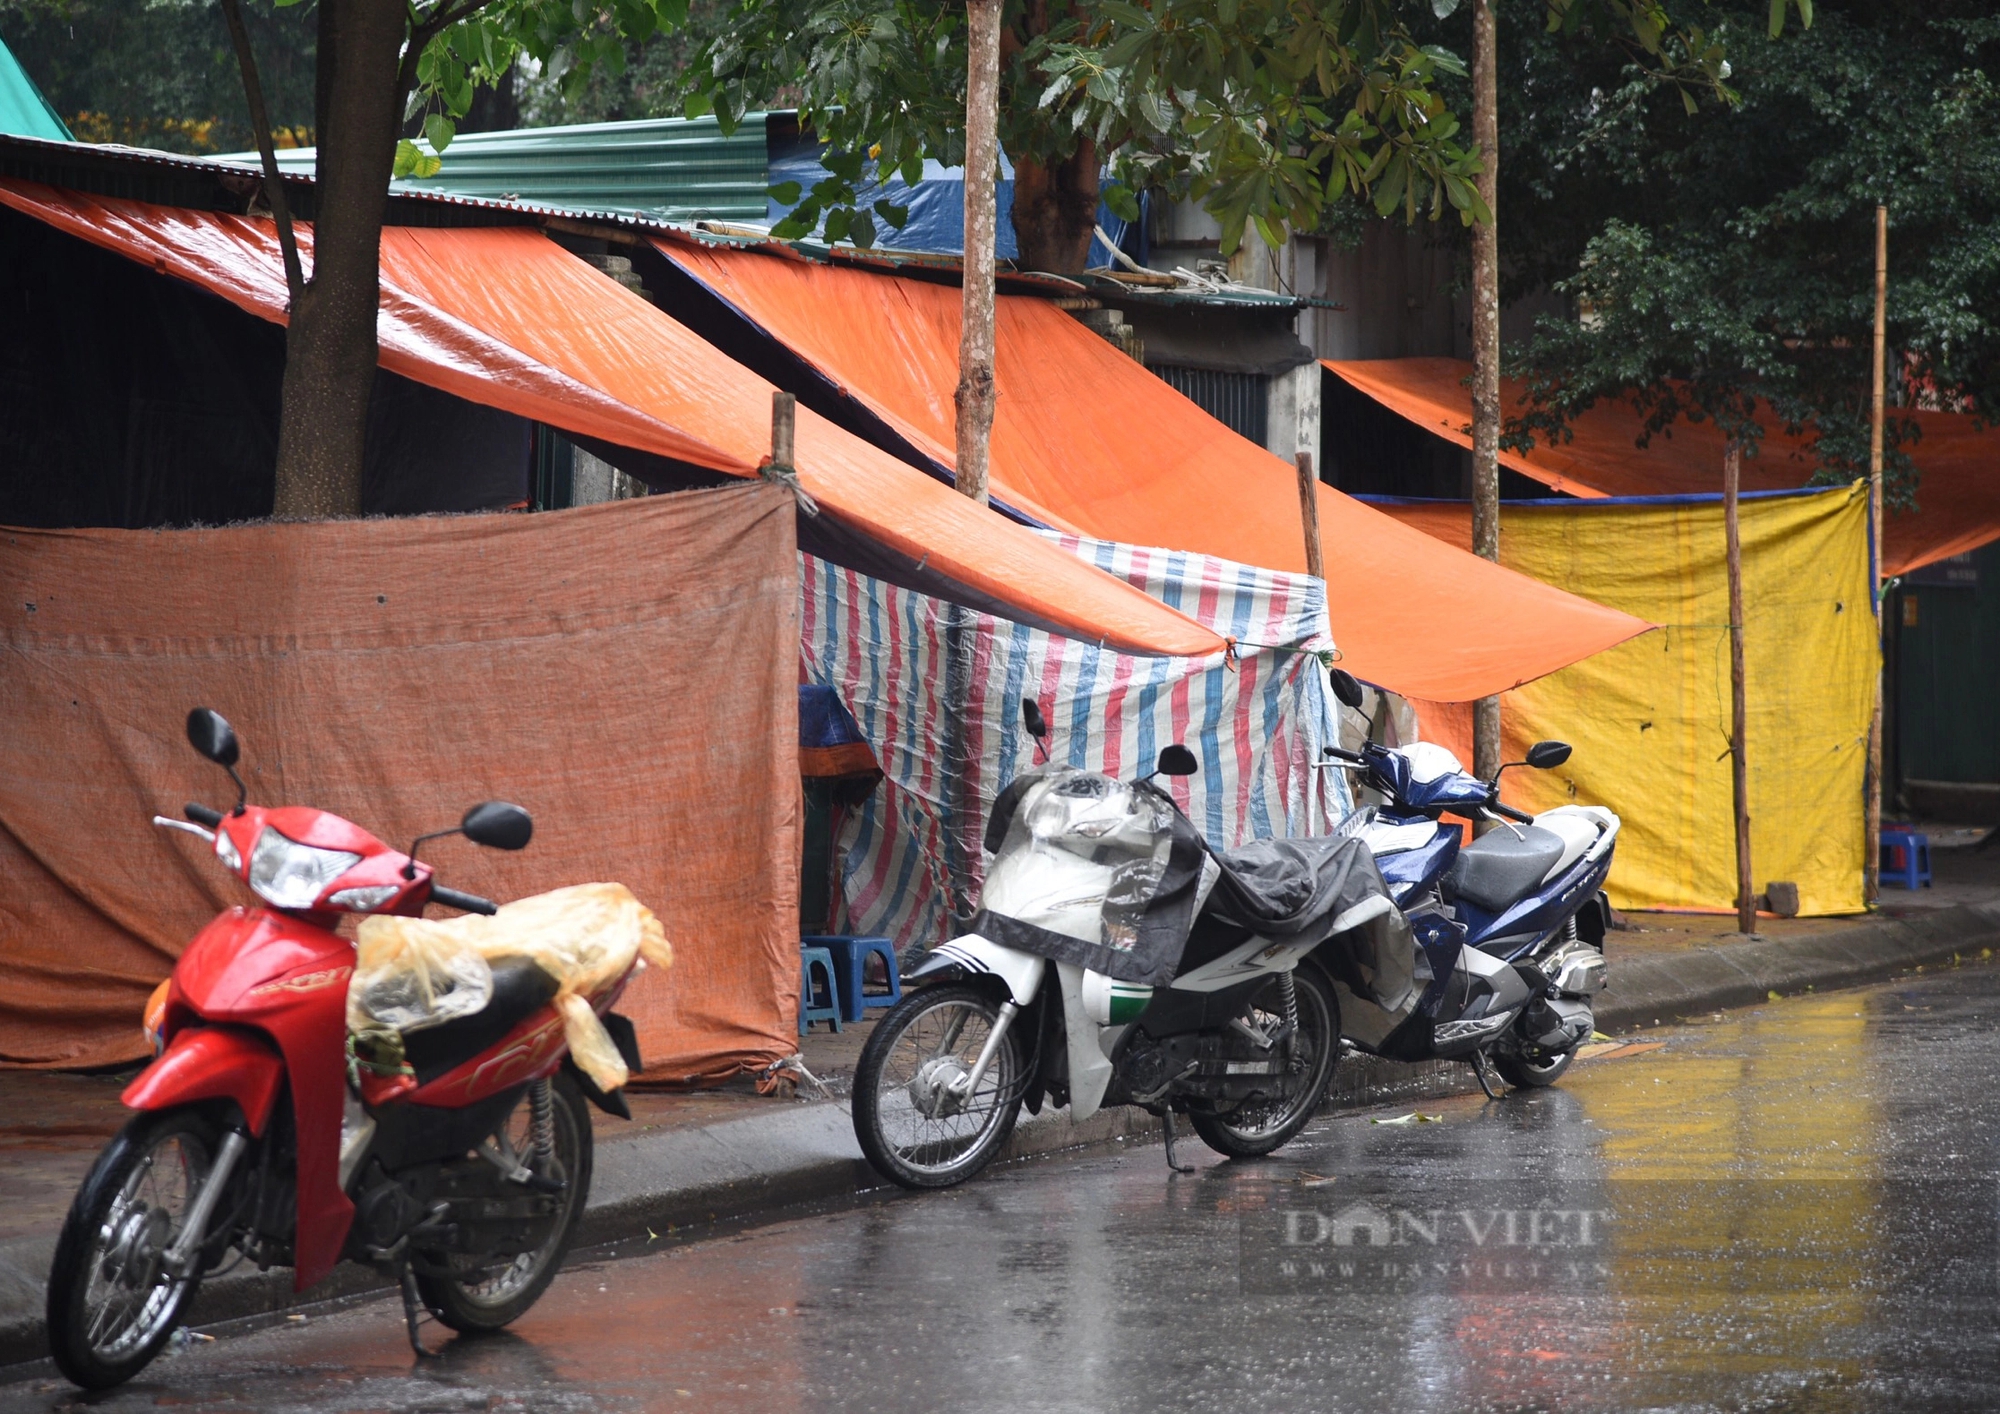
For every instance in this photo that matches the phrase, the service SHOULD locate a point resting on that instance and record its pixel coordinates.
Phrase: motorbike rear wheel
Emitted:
(485, 1298)
(111, 1302)
(914, 1130)
(1256, 1128)
(1524, 1073)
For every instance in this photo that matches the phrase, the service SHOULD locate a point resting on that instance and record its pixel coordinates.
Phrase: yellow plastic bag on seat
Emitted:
(422, 972)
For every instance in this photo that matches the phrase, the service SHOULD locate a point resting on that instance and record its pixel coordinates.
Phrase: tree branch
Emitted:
(424, 30)
(274, 182)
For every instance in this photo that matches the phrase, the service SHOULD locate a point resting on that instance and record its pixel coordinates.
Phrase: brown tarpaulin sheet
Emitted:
(1958, 495)
(627, 672)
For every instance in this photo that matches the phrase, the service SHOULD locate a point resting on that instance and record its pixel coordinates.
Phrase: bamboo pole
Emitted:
(1739, 761)
(1871, 879)
(1309, 513)
(976, 390)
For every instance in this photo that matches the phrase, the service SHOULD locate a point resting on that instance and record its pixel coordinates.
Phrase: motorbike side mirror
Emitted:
(498, 825)
(1031, 718)
(1546, 755)
(213, 737)
(1345, 688)
(1177, 760)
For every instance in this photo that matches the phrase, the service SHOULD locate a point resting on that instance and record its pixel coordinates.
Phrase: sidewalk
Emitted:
(722, 1155)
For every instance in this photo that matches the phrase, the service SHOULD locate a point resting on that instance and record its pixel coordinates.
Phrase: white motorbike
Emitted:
(1117, 959)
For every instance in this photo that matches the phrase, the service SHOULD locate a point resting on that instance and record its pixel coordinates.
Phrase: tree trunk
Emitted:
(1055, 211)
(330, 349)
(1739, 760)
(1486, 352)
(976, 391)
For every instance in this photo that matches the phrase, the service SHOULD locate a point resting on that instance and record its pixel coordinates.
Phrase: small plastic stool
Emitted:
(1906, 857)
(816, 1004)
(850, 957)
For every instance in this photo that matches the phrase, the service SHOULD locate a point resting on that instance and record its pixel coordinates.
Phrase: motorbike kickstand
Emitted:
(408, 1280)
(1480, 1064)
(1167, 1121)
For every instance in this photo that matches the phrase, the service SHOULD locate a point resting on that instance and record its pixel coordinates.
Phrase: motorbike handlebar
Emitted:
(1509, 812)
(202, 815)
(466, 903)
(1353, 757)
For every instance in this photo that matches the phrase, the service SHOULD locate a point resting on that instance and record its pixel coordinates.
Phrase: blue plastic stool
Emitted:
(815, 1004)
(850, 957)
(1906, 857)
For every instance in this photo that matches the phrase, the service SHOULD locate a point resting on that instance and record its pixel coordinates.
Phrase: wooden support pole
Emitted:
(976, 388)
(1486, 349)
(1309, 513)
(1871, 879)
(784, 421)
(1739, 760)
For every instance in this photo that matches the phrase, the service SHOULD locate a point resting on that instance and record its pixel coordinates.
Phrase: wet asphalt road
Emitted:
(1793, 1208)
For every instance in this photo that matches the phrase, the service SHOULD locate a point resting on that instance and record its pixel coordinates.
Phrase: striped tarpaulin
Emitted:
(937, 692)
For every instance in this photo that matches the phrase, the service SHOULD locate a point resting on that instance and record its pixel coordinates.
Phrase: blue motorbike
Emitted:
(1510, 928)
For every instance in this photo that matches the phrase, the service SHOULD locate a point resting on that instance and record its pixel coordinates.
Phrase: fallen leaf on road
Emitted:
(1411, 1118)
(1312, 1180)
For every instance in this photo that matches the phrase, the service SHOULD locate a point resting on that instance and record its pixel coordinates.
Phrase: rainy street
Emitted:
(1788, 1208)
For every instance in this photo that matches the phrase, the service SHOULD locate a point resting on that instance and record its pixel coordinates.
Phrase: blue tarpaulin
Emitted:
(936, 204)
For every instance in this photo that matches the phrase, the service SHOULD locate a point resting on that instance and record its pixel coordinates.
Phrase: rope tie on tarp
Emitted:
(788, 477)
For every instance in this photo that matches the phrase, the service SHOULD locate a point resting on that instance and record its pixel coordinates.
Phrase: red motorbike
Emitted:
(463, 1175)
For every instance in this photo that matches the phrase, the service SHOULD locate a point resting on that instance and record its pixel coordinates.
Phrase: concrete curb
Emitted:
(797, 1154)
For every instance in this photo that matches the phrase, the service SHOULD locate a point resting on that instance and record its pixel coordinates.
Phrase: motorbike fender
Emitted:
(1020, 971)
(1089, 1068)
(213, 1063)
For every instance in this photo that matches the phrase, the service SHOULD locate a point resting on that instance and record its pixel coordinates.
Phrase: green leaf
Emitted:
(439, 131)
(413, 161)
(785, 193)
(1124, 205)
(1444, 9)
(896, 216)
(837, 224)
(1778, 8)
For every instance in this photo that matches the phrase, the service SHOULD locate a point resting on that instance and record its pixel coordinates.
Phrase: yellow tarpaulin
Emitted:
(1650, 718)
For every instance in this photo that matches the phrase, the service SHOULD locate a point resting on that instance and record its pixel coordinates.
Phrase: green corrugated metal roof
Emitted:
(668, 169)
(23, 110)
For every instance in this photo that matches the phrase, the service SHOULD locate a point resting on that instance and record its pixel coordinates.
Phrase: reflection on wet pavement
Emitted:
(1787, 1209)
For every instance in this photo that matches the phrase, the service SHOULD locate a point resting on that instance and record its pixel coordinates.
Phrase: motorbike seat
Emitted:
(520, 988)
(1504, 867)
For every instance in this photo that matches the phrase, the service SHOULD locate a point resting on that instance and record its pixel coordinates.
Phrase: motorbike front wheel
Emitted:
(477, 1296)
(1259, 1127)
(112, 1300)
(913, 1122)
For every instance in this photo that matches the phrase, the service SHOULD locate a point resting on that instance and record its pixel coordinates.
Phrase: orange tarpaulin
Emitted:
(627, 672)
(1086, 439)
(504, 317)
(1959, 461)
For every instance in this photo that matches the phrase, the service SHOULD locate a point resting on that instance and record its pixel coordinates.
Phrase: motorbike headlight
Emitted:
(225, 850)
(364, 897)
(288, 874)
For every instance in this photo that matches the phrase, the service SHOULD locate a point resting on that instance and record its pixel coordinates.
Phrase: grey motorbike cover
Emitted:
(1125, 861)
(1325, 888)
